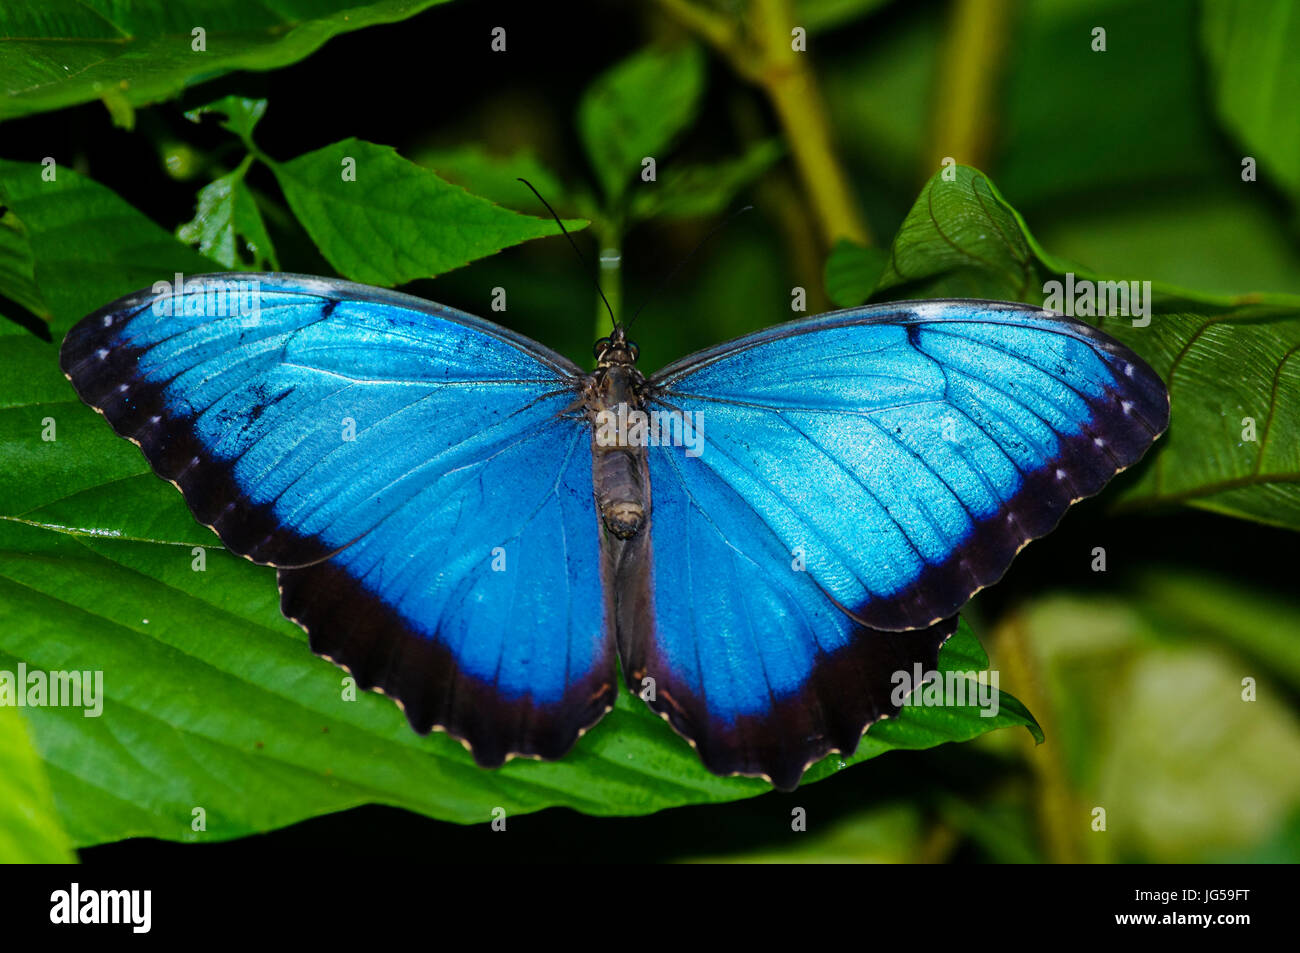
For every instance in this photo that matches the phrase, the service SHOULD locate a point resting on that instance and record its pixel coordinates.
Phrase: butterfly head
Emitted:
(616, 350)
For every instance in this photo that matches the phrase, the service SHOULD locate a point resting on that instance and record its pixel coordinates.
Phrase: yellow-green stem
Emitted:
(609, 272)
(764, 54)
(787, 77)
(970, 61)
(1061, 817)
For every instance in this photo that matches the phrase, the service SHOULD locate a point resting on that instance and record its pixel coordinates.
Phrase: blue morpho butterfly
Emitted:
(459, 520)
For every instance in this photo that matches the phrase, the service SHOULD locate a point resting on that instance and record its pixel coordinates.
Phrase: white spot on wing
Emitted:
(929, 311)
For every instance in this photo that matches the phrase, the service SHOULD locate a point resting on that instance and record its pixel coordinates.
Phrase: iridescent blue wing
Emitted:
(410, 469)
(863, 474)
(744, 655)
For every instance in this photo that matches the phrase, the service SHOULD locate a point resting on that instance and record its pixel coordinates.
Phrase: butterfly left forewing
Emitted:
(411, 471)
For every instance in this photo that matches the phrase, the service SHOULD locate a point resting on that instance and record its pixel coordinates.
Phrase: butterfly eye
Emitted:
(635, 351)
(599, 347)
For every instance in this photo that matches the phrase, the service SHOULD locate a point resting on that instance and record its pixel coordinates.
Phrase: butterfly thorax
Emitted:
(613, 395)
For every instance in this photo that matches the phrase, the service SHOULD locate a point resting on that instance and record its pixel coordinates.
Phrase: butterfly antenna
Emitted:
(663, 282)
(576, 250)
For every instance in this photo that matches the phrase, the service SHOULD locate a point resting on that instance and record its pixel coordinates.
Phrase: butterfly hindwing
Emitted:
(725, 635)
(412, 472)
(862, 474)
(486, 615)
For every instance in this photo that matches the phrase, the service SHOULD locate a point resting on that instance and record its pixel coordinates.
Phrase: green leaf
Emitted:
(635, 110)
(1179, 239)
(962, 240)
(1229, 360)
(236, 114)
(686, 191)
(87, 245)
(227, 213)
(393, 221)
(496, 178)
(17, 281)
(1234, 383)
(852, 271)
(59, 54)
(1251, 47)
(30, 831)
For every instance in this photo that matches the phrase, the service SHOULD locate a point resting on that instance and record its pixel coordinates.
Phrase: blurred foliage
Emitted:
(1127, 162)
(1251, 49)
(636, 110)
(130, 54)
(1147, 703)
(31, 831)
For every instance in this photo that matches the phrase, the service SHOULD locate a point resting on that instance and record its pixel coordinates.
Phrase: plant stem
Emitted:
(241, 170)
(787, 78)
(1061, 817)
(717, 30)
(609, 269)
(970, 61)
(763, 54)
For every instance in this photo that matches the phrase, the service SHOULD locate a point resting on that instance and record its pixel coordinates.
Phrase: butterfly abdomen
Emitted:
(618, 453)
(620, 494)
